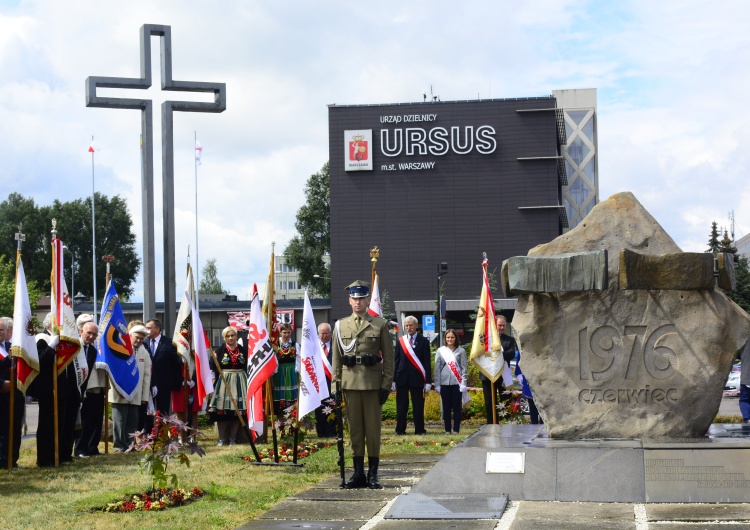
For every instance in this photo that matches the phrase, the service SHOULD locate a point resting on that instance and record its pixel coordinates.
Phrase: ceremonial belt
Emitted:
(409, 351)
(450, 360)
(367, 360)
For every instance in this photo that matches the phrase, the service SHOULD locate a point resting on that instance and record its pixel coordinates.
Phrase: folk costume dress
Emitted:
(234, 367)
(285, 381)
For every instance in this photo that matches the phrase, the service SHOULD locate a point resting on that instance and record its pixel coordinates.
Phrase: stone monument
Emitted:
(623, 335)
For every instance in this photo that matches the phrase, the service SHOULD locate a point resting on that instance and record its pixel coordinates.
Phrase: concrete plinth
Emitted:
(715, 468)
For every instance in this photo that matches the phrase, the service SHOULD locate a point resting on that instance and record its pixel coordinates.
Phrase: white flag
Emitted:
(182, 337)
(198, 153)
(312, 378)
(375, 309)
(261, 364)
(202, 370)
(23, 342)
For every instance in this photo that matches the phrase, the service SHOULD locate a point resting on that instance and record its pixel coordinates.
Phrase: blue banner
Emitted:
(114, 350)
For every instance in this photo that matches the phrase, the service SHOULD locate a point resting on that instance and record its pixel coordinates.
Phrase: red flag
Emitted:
(375, 308)
(261, 364)
(201, 345)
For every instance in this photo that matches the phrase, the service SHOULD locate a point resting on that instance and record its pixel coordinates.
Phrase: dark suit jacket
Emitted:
(405, 373)
(166, 365)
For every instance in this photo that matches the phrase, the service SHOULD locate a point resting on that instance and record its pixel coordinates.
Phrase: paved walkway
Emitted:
(327, 507)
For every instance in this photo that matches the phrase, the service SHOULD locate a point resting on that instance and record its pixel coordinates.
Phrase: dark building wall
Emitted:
(465, 205)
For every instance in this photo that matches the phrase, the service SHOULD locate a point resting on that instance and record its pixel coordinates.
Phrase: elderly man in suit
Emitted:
(166, 367)
(413, 376)
(92, 408)
(324, 427)
(362, 362)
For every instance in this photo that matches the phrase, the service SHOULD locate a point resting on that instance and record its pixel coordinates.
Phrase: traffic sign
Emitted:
(428, 323)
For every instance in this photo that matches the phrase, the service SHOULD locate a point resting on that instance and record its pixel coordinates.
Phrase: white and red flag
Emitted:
(64, 323)
(375, 308)
(312, 378)
(261, 363)
(23, 342)
(94, 147)
(182, 337)
(201, 345)
(198, 152)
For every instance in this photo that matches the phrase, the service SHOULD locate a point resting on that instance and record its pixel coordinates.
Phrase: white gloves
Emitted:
(462, 388)
(427, 387)
(154, 390)
(191, 383)
(520, 379)
(393, 386)
(437, 389)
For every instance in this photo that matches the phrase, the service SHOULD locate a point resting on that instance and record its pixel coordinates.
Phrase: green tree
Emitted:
(741, 295)
(114, 236)
(8, 287)
(210, 283)
(713, 241)
(313, 240)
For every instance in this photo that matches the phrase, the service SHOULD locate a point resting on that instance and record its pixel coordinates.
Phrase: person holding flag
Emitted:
(18, 402)
(231, 386)
(126, 412)
(509, 353)
(362, 362)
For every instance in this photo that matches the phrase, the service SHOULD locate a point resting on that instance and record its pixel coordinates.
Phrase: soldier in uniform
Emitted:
(363, 372)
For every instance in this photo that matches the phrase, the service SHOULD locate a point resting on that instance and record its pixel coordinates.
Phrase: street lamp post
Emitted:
(442, 269)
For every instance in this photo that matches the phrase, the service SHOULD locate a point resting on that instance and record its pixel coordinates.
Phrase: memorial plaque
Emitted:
(697, 475)
(447, 506)
(505, 463)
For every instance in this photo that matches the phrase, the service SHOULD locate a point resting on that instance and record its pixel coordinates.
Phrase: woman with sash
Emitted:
(451, 373)
(285, 381)
(230, 386)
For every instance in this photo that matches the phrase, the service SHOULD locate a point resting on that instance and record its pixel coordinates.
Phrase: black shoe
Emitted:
(421, 432)
(399, 433)
(358, 480)
(372, 473)
(82, 455)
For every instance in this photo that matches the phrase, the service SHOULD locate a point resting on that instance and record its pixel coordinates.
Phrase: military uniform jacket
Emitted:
(371, 338)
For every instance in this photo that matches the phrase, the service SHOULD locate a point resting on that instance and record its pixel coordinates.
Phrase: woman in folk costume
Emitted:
(285, 380)
(451, 373)
(232, 358)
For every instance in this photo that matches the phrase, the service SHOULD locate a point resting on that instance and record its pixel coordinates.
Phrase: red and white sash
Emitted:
(450, 360)
(409, 351)
(326, 365)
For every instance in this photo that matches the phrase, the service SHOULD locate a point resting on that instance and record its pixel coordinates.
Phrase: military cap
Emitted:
(358, 289)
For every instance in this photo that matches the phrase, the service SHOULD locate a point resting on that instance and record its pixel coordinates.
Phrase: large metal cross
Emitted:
(147, 159)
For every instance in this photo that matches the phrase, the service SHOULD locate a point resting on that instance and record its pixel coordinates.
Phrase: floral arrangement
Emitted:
(451, 443)
(286, 424)
(510, 410)
(156, 500)
(286, 453)
(161, 445)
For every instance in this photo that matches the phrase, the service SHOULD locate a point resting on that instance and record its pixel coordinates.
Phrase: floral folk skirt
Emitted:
(285, 383)
(220, 407)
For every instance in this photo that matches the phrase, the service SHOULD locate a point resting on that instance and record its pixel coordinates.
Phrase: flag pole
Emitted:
(270, 325)
(93, 221)
(374, 255)
(107, 279)
(20, 237)
(185, 368)
(197, 261)
(57, 322)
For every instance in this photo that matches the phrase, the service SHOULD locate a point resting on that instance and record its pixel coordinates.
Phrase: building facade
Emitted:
(438, 182)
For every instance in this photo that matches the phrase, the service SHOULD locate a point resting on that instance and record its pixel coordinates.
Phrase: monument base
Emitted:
(520, 461)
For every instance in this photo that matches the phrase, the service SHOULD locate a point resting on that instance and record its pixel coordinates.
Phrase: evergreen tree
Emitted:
(741, 295)
(313, 240)
(713, 242)
(210, 283)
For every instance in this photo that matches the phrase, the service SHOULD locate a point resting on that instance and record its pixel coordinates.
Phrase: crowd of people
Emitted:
(365, 371)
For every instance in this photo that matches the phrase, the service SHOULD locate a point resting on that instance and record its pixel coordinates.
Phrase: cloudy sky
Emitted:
(671, 77)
